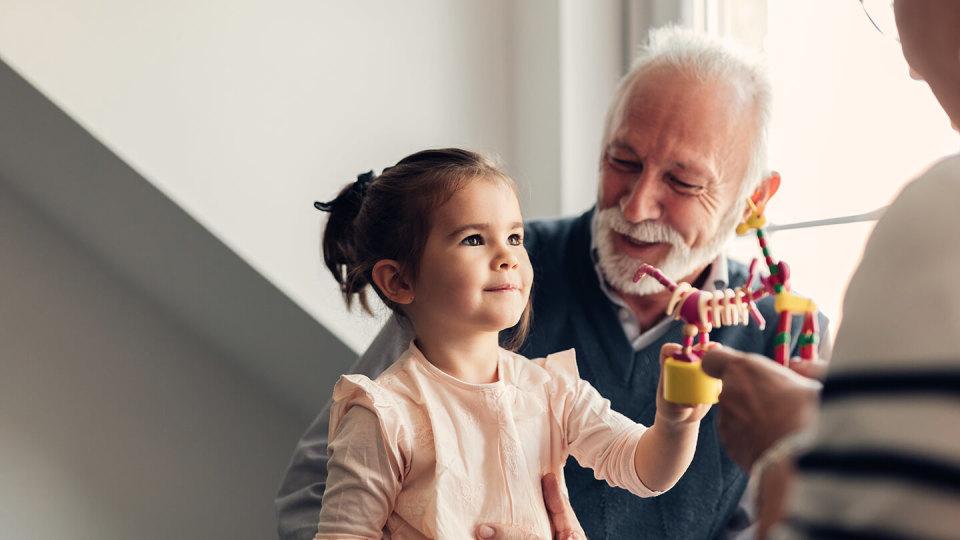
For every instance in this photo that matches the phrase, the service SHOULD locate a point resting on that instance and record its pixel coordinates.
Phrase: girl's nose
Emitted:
(506, 260)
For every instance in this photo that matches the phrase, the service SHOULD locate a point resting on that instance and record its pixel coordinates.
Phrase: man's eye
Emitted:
(472, 240)
(625, 164)
(515, 240)
(683, 186)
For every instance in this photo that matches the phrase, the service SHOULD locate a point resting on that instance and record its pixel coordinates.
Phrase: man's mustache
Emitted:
(646, 231)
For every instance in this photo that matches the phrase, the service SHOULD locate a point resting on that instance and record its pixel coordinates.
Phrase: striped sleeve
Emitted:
(885, 463)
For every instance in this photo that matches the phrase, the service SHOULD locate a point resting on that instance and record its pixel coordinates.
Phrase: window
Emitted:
(849, 128)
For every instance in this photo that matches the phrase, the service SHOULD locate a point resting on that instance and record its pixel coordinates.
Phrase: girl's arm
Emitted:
(666, 449)
(363, 480)
(664, 453)
(645, 461)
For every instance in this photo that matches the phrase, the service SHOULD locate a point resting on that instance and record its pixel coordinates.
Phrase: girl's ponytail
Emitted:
(340, 250)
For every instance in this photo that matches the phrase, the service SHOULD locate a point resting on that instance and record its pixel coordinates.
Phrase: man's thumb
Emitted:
(489, 531)
(715, 361)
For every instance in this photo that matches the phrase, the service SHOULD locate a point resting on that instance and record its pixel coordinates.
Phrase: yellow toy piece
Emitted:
(755, 220)
(686, 383)
(787, 301)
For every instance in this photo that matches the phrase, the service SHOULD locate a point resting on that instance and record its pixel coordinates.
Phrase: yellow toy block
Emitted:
(793, 303)
(686, 383)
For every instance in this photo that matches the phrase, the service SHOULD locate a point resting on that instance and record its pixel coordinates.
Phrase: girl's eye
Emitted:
(515, 240)
(472, 240)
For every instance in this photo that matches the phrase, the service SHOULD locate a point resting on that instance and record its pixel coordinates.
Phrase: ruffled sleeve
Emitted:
(359, 390)
(367, 457)
(596, 435)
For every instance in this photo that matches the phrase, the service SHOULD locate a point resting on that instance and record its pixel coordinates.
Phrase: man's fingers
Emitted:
(717, 359)
(489, 531)
(562, 519)
(552, 495)
(812, 369)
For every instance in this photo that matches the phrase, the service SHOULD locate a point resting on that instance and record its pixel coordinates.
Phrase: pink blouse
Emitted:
(418, 453)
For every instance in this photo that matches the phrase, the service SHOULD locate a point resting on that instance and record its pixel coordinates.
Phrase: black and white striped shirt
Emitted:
(885, 462)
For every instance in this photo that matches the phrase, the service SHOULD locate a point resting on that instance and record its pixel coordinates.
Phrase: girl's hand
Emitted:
(675, 415)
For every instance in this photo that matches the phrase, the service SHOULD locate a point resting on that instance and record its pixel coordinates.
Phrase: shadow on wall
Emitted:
(152, 385)
(126, 222)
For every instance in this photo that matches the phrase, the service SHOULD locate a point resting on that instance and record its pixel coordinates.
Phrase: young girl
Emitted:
(458, 431)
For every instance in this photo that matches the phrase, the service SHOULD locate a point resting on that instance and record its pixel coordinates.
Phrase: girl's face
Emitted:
(475, 274)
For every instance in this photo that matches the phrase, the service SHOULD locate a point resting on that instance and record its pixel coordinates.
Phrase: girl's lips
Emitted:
(503, 288)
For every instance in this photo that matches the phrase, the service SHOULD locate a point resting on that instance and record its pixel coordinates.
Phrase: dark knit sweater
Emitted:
(571, 311)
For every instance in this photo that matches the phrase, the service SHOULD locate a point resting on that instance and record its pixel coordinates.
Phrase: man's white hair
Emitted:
(708, 58)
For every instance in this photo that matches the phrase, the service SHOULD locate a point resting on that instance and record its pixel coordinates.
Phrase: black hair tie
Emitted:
(359, 188)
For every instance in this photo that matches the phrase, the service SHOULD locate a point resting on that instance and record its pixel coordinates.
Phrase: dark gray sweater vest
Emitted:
(571, 311)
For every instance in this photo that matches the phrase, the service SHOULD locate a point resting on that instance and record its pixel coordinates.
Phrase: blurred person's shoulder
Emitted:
(942, 175)
(936, 188)
(925, 213)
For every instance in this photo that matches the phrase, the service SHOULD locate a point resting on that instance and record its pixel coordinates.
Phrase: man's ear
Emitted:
(389, 279)
(767, 188)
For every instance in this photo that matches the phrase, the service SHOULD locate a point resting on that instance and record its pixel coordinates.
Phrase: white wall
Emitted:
(593, 60)
(117, 421)
(245, 112)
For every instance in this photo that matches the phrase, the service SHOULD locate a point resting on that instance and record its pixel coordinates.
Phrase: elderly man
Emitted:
(684, 147)
(884, 461)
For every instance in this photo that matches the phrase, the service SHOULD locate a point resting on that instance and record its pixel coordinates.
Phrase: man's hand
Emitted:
(811, 369)
(562, 519)
(761, 402)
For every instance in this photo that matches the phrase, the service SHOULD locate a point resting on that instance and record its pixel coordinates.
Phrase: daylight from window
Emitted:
(850, 129)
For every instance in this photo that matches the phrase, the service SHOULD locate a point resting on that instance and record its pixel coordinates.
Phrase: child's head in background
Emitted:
(439, 236)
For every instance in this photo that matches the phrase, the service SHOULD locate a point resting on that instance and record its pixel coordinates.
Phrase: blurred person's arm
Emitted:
(886, 457)
(300, 495)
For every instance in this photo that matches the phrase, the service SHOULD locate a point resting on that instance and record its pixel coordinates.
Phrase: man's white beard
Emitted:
(679, 262)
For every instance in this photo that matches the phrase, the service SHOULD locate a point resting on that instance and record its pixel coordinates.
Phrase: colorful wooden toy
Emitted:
(702, 311)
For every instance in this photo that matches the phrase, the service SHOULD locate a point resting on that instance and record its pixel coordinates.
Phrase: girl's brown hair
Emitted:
(389, 217)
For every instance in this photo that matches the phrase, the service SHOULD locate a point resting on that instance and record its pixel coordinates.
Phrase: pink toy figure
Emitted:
(702, 311)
